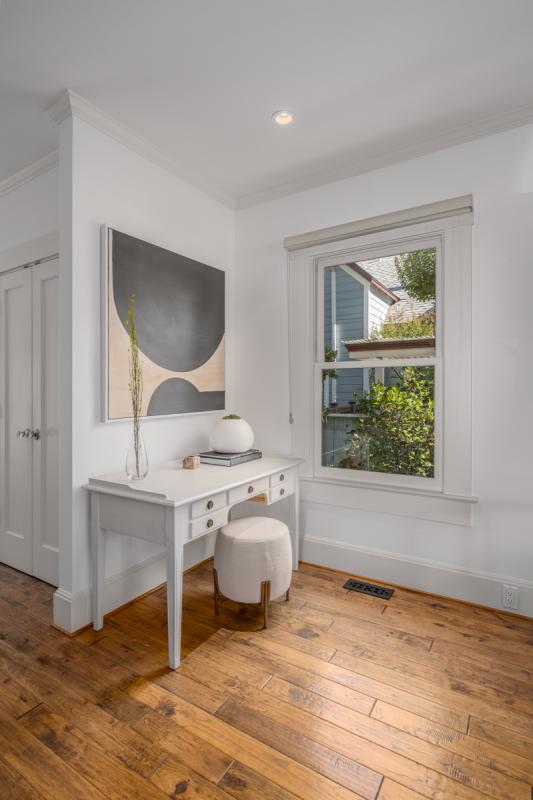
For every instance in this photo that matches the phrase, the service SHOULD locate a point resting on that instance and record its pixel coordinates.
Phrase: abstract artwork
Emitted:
(180, 317)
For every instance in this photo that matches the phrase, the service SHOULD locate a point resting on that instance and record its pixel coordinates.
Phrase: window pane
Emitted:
(379, 420)
(384, 307)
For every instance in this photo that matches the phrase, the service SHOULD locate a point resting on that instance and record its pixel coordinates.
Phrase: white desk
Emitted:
(171, 506)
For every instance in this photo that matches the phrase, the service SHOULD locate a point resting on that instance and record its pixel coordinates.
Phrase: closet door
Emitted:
(16, 508)
(45, 422)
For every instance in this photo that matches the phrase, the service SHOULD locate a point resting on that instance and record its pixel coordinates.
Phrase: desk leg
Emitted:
(175, 523)
(98, 549)
(294, 507)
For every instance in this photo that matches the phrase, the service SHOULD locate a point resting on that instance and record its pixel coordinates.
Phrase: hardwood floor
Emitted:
(344, 697)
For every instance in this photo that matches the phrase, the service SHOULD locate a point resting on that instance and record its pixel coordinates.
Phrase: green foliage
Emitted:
(417, 273)
(395, 433)
(415, 327)
(329, 355)
(231, 416)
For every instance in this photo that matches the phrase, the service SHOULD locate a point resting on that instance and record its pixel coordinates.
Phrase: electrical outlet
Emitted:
(509, 596)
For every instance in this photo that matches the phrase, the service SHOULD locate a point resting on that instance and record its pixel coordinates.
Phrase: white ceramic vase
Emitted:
(232, 436)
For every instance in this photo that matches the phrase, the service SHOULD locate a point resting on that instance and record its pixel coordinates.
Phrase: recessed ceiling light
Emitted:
(283, 117)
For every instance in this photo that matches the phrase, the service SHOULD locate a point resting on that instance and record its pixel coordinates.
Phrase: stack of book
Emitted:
(229, 459)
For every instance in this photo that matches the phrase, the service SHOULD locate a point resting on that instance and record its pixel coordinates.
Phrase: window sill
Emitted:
(428, 504)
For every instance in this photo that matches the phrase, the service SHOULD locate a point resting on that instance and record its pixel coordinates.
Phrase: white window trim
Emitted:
(451, 227)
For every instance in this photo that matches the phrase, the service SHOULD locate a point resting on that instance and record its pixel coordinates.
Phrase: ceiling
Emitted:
(369, 82)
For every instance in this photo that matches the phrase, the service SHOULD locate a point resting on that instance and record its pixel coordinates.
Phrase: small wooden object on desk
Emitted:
(191, 462)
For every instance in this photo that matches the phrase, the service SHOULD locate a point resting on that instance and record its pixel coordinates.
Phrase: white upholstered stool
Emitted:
(253, 562)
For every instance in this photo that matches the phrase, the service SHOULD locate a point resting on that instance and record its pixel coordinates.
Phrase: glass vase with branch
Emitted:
(137, 459)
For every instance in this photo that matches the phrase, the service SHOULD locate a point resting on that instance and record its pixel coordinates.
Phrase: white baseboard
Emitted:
(72, 611)
(448, 580)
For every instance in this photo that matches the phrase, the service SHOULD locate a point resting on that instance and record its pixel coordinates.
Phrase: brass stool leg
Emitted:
(217, 592)
(287, 595)
(265, 601)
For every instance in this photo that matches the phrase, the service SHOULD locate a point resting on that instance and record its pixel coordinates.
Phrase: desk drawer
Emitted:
(211, 522)
(281, 477)
(247, 490)
(208, 504)
(284, 489)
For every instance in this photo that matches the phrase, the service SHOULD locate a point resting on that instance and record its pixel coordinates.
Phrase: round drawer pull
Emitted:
(209, 523)
(250, 489)
(281, 492)
(210, 505)
(282, 477)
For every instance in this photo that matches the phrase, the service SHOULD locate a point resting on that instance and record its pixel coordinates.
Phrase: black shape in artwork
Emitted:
(178, 396)
(178, 330)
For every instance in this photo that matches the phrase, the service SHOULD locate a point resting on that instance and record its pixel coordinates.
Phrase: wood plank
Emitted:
(485, 659)
(202, 756)
(508, 738)
(305, 750)
(209, 699)
(279, 726)
(450, 677)
(458, 667)
(87, 759)
(436, 711)
(313, 645)
(176, 779)
(390, 790)
(273, 765)
(14, 786)
(40, 767)
(480, 752)
(245, 784)
(14, 698)
(233, 670)
(513, 636)
(87, 678)
(253, 718)
(119, 739)
(397, 741)
(458, 696)
(479, 774)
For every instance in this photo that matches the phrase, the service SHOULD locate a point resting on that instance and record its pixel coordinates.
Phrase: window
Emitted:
(377, 362)
(380, 364)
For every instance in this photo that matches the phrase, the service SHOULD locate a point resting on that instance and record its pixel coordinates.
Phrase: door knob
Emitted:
(25, 434)
(36, 434)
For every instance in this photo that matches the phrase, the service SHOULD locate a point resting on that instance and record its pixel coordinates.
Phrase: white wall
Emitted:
(466, 562)
(29, 211)
(114, 185)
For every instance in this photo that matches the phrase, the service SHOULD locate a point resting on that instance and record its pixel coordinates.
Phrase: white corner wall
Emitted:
(104, 181)
(465, 562)
(29, 211)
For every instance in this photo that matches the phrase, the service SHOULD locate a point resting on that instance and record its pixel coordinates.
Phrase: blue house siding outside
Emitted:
(378, 308)
(349, 313)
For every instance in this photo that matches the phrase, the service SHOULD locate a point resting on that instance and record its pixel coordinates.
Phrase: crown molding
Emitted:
(454, 136)
(39, 167)
(70, 104)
